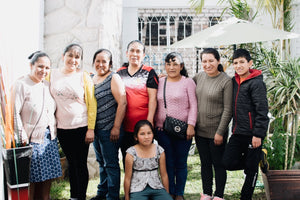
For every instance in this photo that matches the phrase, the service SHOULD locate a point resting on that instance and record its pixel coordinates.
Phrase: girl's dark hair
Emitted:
(74, 46)
(126, 64)
(215, 53)
(107, 52)
(171, 58)
(36, 55)
(139, 124)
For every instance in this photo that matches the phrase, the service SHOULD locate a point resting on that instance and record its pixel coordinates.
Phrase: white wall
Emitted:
(129, 27)
(21, 33)
(295, 43)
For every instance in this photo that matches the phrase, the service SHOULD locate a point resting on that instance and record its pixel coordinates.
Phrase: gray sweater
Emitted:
(214, 97)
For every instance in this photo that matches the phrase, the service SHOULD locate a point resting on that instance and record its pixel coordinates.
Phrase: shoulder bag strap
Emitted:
(165, 103)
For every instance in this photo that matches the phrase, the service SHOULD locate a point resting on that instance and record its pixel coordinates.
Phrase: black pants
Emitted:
(73, 144)
(211, 156)
(239, 154)
(127, 141)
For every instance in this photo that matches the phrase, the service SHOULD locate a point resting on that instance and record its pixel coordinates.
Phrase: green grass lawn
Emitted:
(60, 189)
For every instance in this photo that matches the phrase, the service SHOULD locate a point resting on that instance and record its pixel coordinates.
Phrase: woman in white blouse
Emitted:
(34, 124)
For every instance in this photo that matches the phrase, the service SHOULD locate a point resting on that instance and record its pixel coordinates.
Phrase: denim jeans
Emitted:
(149, 193)
(107, 156)
(177, 152)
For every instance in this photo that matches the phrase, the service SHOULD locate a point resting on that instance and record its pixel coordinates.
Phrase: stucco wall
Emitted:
(93, 24)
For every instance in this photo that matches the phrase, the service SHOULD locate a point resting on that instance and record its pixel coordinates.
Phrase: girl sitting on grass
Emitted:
(141, 167)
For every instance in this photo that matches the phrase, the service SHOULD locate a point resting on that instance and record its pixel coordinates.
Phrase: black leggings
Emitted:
(211, 157)
(73, 144)
(240, 154)
(127, 141)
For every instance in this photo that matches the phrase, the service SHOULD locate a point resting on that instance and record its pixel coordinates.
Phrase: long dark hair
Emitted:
(216, 55)
(170, 58)
(141, 123)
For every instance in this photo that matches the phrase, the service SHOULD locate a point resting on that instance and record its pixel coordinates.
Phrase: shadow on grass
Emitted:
(235, 196)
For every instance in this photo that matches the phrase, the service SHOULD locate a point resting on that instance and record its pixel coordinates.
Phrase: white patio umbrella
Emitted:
(233, 31)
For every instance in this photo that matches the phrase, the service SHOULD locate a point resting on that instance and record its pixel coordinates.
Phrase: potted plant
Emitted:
(283, 82)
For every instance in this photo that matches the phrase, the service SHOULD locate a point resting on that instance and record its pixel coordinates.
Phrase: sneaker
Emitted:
(205, 197)
(264, 165)
(218, 198)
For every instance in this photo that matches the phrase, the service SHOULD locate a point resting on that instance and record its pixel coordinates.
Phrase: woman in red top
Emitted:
(141, 83)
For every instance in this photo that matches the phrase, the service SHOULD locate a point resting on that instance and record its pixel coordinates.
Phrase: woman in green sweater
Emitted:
(214, 96)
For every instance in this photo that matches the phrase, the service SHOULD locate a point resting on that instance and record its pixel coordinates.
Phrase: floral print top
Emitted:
(145, 171)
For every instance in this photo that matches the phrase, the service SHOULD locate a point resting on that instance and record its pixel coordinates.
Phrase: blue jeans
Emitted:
(177, 152)
(107, 156)
(153, 194)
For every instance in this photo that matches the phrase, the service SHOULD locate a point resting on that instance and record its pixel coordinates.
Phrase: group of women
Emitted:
(107, 109)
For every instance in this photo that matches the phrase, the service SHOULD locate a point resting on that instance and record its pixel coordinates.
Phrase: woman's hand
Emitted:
(89, 136)
(218, 140)
(161, 75)
(114, 134)
(190, 132)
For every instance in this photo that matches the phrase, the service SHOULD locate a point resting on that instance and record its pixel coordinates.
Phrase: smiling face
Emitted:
(72, 59)
(242, 66)
(173, 68)
(135, 54)
(145, 135)
(40, 69)
(210, 64)
(102, 63)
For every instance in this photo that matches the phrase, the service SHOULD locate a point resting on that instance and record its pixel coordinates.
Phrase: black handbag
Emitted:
(173, 127)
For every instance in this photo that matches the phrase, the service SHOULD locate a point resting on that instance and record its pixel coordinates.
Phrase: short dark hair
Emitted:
(141, 123)
(36, 55)
(241, 53)
(106, 51)
(170, 57)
